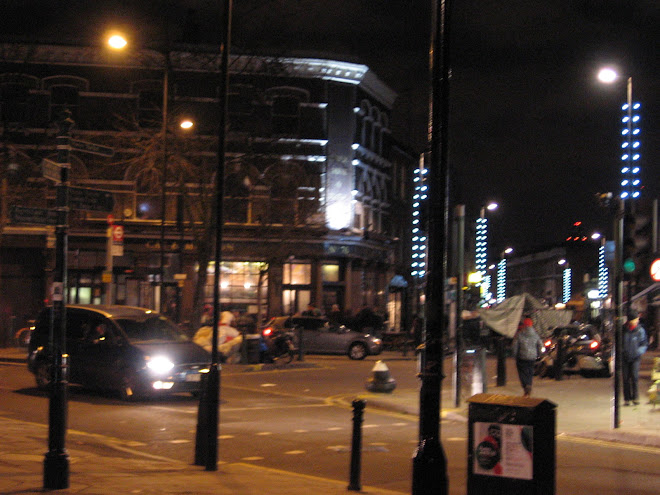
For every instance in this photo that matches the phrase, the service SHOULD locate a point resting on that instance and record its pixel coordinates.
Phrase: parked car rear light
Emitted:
(594, 344)
(267, 331)
(547, 343)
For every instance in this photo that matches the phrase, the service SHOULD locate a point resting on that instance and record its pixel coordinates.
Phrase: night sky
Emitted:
(530, 126)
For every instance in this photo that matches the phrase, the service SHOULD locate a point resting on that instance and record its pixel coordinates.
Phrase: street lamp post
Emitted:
(206, 449)
(481, 247)
(429, 470)
(630, 184)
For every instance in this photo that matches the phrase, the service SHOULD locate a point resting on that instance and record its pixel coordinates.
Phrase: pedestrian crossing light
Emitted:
(629, 265)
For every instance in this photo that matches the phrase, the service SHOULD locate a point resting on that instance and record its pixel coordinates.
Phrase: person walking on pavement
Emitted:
(527, 347)
(634, 346)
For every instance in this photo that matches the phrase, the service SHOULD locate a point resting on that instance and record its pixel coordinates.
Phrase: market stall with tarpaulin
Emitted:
(505, 317)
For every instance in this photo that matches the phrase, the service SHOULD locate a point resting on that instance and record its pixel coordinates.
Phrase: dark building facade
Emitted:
(316, 190)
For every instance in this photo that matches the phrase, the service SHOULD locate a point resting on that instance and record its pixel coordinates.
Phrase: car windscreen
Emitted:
(155, 329)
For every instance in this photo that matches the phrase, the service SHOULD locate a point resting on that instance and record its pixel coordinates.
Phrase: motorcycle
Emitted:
(279, 346)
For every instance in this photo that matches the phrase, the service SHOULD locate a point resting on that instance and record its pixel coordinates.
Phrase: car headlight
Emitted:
(160, 365)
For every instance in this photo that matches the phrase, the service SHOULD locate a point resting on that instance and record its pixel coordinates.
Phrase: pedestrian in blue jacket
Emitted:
(634, 346)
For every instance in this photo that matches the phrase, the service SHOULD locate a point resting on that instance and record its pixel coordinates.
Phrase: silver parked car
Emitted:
(319, 336)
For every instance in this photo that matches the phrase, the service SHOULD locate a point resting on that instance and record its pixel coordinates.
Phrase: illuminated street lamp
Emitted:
(501, 275)
(630, 184)
(630, 171)
(481, 249)
(566, 280)
(118, 41)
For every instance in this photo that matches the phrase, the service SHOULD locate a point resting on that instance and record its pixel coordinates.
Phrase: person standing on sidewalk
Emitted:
(527, 347)
(634, 346)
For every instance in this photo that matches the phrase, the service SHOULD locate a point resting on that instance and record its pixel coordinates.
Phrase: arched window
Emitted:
(15, 97)
(65, 94)
(149, 102)
(285, 108)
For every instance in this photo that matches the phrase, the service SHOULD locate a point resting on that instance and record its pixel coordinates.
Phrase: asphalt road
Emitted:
(300, 420)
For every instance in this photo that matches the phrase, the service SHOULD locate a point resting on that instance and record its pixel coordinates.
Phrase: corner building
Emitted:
(315, 201)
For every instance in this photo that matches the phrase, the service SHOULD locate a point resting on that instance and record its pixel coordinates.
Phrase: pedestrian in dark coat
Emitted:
(527, 347)
(634, 346)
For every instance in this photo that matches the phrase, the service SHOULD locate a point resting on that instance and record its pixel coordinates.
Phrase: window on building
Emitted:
(15, 97)
(64, 97)
(149, 102)
(330, 272)
(65, 94)
(285, 109)
(297, 274)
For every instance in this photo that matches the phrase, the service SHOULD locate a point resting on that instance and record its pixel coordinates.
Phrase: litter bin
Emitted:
(511, 445)
(253, 348)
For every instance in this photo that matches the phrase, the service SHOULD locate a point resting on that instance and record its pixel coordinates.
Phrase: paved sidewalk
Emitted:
(97, 467)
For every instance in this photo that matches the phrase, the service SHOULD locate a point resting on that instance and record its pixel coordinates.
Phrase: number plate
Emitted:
(196, 377)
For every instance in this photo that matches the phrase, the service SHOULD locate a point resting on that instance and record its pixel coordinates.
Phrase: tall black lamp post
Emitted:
(56, 461)
(206, 452)
(429, 460)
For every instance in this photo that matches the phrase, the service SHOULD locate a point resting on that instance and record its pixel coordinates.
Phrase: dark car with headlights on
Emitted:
(133, 351)
(319, 336)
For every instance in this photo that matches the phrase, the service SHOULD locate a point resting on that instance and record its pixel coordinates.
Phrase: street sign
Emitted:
(41, 216)
(95, 149)
(91, 199)
(51, 170)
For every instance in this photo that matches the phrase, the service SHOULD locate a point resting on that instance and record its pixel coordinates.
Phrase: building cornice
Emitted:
(310, 68)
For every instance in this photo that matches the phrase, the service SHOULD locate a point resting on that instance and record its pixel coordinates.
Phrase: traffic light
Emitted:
(638, 237)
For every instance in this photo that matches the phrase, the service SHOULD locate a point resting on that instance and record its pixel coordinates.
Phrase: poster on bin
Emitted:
(503, 450)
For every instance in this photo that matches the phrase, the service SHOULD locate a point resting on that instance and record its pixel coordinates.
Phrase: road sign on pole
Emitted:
(95, 149)
(51, 170)
(41, 216)
(91, 199)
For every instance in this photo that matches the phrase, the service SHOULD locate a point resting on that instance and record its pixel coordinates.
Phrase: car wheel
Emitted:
(357, 351)
(42, 375)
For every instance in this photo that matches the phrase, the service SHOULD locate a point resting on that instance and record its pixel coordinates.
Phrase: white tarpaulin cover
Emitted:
(505, 317)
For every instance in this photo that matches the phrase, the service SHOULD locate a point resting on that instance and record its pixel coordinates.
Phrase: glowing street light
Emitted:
(630, 170)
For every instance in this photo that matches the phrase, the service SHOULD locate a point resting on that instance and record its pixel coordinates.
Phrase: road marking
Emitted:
(334, 428)
(295, 452)
(301, 431)
(608, 443)
(338, 448)
(268, 385)
(181, 440)
(265, 433)
(370, 426)
(254, 458)
(225, 437)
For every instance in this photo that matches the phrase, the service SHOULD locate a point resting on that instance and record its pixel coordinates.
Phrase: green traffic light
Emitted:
(629, 265)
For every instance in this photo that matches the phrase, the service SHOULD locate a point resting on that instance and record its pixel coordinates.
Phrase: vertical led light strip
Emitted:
(630, 181)
(419, 238)
(480, 245)
(566, 292)
(501, 281)
(603, 274)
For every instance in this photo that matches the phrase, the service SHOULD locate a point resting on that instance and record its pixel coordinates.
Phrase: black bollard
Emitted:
(356, 445)
(501, 362)
(559, 361)
(301, 350)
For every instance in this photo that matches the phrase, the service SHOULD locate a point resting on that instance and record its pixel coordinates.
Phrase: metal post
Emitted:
(212, 391)
(356, 445)
(163, 199)
(56, 462)
(501, 361)
(460, 275)
(618, 302)
(429, 461)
